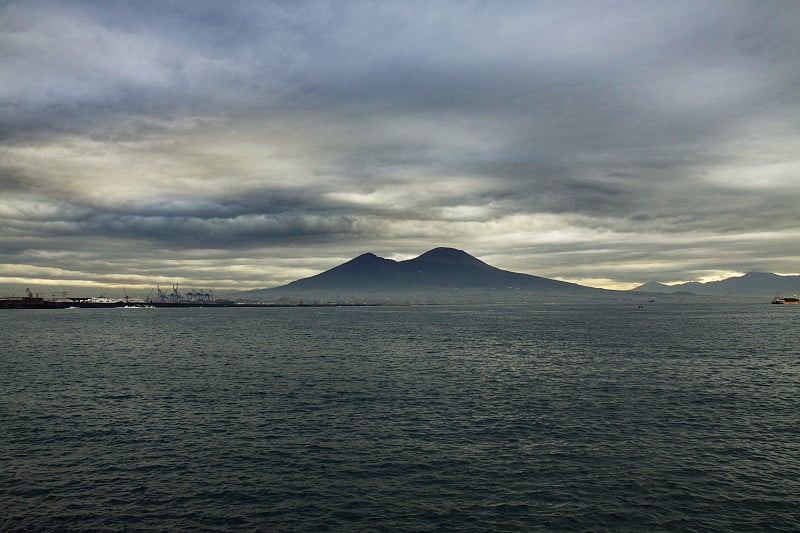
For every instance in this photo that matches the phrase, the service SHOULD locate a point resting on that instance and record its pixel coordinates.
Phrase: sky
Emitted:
(226, 145)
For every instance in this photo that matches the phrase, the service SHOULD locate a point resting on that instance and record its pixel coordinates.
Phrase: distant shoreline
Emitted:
(38, 303)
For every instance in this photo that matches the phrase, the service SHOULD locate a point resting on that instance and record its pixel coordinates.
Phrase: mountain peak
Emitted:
(364, 258)
(450, 256)
(760, 275)
(652, 286)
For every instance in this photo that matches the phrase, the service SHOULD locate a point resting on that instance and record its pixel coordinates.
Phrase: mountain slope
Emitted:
(451, 268)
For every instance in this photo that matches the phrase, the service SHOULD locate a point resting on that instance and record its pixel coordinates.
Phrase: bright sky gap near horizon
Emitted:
(607, 143)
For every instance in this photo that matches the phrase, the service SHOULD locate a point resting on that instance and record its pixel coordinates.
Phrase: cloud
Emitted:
(622, 141)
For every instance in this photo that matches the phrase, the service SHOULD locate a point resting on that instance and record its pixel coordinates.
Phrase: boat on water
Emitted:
(786, 300)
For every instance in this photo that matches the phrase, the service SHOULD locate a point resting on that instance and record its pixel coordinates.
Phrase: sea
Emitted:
(560, 417)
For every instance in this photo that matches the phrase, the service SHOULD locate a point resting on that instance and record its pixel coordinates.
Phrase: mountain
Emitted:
(752, 284)
(654, 286)
(441, 274)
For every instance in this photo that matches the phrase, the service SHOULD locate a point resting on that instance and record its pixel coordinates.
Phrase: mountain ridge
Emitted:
(446, 274)
(751, 284)
(441, 273)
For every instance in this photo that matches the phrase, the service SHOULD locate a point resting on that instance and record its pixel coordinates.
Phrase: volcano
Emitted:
(441, 273)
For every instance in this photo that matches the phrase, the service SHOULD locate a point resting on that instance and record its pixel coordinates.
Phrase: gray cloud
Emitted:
(619, 141)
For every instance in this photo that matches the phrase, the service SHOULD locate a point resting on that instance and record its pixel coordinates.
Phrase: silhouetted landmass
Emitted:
(440, 268)
(447, 275)
(752, 284)
(439, 275)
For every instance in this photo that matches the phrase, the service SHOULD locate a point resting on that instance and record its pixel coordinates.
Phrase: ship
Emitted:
(786, 300)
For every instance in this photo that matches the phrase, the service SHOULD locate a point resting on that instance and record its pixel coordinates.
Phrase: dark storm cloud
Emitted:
(623, 141)
(238, 224)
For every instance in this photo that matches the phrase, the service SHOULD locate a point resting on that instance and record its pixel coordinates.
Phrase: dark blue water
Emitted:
(673, 417)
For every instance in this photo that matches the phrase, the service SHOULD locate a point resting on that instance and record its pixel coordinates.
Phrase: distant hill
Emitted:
(441, 274)
(654, 286)
(752, 284)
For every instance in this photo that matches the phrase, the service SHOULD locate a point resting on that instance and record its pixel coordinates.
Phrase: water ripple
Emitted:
(413, 419)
